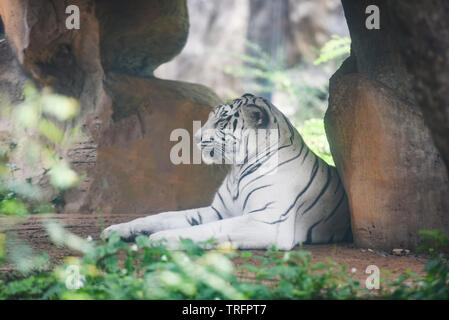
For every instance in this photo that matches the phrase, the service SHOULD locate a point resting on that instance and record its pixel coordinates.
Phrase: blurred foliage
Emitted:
(434, 285)
(39, 127)
(336, 49)
(314, 136)
(433, 242)
(38, 124)
(266, 75)
(148, 270)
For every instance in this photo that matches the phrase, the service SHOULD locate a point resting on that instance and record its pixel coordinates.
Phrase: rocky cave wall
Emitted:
(383, 100)
(127, 114)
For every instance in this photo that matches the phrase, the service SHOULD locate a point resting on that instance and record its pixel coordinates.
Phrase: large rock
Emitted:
(138, 36)
(409, 53)
(134, 172)
(376, 52)
(126, 120)
(394, 177)
(12, 77)
(134, 38)
(421, 29)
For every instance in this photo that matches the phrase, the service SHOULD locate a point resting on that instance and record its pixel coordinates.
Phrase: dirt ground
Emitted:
(31, 230)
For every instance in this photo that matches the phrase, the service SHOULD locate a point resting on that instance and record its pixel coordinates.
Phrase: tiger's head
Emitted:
(239, 130)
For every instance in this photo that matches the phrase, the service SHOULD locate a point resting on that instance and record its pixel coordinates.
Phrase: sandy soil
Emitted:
(31, 230)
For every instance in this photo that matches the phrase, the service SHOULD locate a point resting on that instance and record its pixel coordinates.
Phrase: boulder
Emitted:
(12, 77)
(378, 125)
(409, 53)
(133, 171)
(393, 174)
(126, 114)
(421, 30)
(133, 39)
(138, 36)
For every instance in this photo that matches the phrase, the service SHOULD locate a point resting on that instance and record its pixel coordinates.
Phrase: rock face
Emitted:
(422, 31)
(11, 76)
(410, 53)
(395, 179)
(136, 173)
(127, 115)
(138, 36)
(394, 175)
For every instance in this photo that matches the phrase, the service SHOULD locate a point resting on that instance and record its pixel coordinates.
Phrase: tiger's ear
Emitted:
(255, 116)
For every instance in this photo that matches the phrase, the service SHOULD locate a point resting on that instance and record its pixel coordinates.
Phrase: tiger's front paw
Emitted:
(169, 238)
(123, 229)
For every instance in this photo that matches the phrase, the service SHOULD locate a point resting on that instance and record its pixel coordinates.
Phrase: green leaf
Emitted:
(61, 107)
(50, 131)
(62, 177)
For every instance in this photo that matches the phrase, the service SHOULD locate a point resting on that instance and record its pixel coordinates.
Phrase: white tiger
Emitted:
(299, 199)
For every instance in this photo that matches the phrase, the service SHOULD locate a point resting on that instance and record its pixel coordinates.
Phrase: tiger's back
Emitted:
(303, 197)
